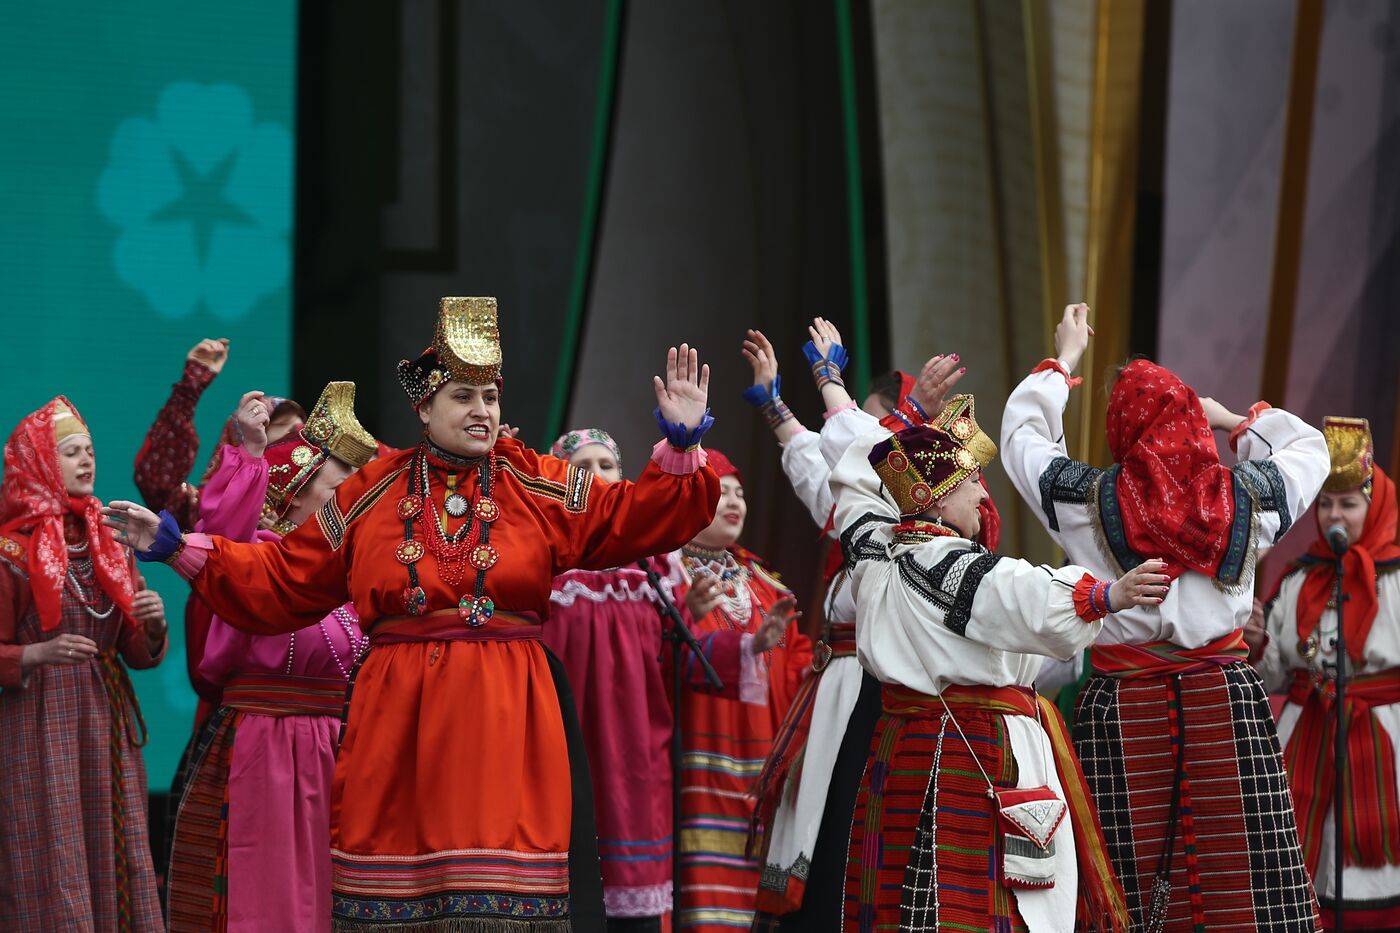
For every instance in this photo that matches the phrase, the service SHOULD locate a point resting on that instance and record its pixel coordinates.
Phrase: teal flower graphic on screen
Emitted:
(202, 196)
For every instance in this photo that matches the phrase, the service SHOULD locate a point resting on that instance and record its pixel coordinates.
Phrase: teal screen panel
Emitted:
(146, 152)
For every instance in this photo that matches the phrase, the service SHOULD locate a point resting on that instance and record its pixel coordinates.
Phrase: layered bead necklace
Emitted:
(453, 551)
(358, 644)
(736, 603)
(88, 599)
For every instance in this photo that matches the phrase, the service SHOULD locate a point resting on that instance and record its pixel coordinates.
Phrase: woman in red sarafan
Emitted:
(452, 805)
(1296, 653)
(744, 619)
(74, 850)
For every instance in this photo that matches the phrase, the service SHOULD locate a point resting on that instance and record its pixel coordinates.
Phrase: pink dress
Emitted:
(605, 628)
(287, 692)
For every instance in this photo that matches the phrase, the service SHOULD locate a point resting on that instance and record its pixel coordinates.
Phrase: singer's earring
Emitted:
(938, 520)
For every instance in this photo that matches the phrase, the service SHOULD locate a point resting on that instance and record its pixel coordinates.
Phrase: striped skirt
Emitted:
(1230, 860)
(924, 849)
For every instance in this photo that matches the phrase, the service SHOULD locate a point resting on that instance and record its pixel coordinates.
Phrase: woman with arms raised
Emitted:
(452, 806)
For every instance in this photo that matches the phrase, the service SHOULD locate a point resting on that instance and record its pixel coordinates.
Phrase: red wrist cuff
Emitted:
(1255, 411)
(1050, 363)
(1091, 598)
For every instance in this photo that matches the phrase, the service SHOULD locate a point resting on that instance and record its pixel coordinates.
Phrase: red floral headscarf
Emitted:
(1175, 497)
(723, 466)
(34, 501)
(1378, 543)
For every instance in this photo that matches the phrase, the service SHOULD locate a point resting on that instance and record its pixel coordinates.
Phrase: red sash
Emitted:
(1102, 904)
(1371, 814)
(1162, 658)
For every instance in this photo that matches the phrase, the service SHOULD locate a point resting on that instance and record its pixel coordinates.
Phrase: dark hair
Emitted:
(888, 386)
(287, 406)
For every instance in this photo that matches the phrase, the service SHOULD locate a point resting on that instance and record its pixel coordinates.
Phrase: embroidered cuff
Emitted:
(1255, 410)
(680, 435)
(1091, 598)
(911, 411)
(833, 412)
(826, 368)
(753, 674)
(678, 462)
(1048, 364)
(767, 400)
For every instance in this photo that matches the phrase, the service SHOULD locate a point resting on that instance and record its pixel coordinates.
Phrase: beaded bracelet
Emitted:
(767, 400)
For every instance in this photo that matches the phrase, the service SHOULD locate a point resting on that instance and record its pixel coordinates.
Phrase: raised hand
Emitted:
(935, 381)
(506, 430)
(133, 525)
(211, 354)
(1072, 335)
(775, 623)
(759, 352)
(1144, 585)
(824, 335)
(683, 394)
(253, 417)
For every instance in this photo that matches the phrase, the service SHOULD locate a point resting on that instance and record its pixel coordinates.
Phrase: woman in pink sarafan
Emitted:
(262, 861)
(606, 628)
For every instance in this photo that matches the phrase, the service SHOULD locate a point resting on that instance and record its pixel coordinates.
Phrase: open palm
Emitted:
(684, 394)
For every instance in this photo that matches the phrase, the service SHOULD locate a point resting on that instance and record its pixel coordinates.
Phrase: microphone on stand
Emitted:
(1337, 539)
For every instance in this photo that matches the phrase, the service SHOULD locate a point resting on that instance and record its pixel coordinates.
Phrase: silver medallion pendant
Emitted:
(456, 505)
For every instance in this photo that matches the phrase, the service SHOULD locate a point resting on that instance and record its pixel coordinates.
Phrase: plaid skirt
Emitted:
(1230, 859)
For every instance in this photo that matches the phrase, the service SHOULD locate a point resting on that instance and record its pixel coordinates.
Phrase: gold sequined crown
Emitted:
(1353, 454)
(466, 348)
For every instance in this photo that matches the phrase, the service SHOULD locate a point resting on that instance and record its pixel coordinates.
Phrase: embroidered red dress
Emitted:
(727, 735)
(451, 806)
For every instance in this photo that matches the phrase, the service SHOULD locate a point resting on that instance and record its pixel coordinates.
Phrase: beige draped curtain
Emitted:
(1009, 139)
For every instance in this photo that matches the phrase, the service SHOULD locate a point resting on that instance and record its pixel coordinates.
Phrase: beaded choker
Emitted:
(469, 544)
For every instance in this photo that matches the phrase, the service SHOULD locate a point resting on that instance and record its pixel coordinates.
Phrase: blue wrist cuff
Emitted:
(169, 540)
(836, 356)
(679, 435)
(757, 395)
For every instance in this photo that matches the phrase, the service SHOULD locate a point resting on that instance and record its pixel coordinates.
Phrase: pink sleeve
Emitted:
(231, 502)
(228, 650)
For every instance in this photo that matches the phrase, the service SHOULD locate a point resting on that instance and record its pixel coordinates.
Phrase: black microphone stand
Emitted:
(1339, 784)
(680, 637)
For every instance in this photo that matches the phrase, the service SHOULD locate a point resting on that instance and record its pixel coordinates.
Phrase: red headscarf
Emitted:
(1377, 543)
(723, 466)
(1174, 495)
(34, 501)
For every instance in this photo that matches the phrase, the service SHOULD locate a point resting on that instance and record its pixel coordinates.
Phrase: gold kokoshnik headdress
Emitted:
(331, 430)
(1353, 454)
(922, 464)
(466, 348)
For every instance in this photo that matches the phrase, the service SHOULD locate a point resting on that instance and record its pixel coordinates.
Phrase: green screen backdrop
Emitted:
(146, 152)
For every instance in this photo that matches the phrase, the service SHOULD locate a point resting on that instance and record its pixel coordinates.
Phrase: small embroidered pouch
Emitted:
(1028, 818)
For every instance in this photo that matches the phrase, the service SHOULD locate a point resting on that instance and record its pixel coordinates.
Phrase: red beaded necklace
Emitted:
(453, 551)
